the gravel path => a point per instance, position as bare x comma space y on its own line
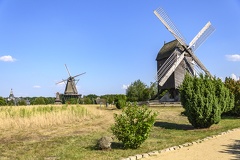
222, 147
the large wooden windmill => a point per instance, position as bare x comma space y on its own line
70, 89
176, 58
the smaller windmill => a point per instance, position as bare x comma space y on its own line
70, 89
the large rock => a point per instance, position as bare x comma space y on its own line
105, 142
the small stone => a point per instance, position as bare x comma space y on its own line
145, 155
185, 145
194, 143
180, 146
162, 151
171, 148
176, 147
132, 158
153, 153
199, 141
167, 149
139, 156
105, 142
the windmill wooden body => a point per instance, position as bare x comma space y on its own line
176, 58
70, 89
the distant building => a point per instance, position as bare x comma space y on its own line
12, 98
28, 102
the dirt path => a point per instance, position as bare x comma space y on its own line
223, 147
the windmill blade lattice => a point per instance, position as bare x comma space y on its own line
168, 68
201, 36
68, 71
164, 18
79, 75
64, 80
199, 63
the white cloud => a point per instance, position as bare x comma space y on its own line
124, 86
36, 86
233, 76
233, 57
7, 58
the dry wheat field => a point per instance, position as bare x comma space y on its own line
50, 121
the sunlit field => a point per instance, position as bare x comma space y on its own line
25, 117
72, 131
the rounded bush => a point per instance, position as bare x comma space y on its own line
204, 100
120, 101
133, 126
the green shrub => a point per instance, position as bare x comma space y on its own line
71, 101
234, 87
204, 100
86, 100
133, 126
2, 102
11, 103
120, 101
225, 97
39, 101
22, 102
235, 111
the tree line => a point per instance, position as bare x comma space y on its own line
27, 101
137, 91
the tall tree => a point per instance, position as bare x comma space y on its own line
39, 101
153, 89
2, 102
137, 91
234, 87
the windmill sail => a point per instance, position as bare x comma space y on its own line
79, 75
201, 36
163, 17
199, 63
68, 71
168, 68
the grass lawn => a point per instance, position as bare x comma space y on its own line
72, 133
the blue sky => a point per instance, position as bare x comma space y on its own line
114, 42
